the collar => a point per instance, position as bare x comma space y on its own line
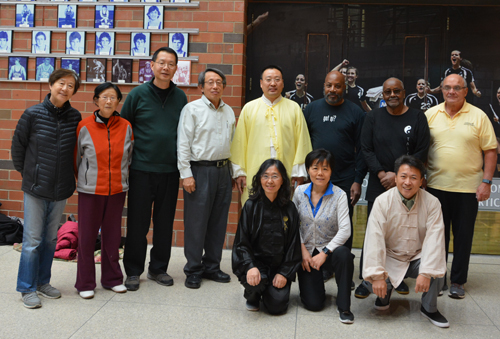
465, 108
269, 103
408, 202
329, 190
98, 120
209, 103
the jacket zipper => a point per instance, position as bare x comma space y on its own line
86, 172
58, 155
109, 161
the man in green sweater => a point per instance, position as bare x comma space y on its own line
153, 109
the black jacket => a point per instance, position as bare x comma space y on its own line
267, 238
42, 150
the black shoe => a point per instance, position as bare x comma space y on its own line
193, 281
218, 276
327, 275
161, 278
346, 317
132, 283
436, 318
361, 292
403, 288
253, 307
379, 305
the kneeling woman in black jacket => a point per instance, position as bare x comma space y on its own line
266, 249
42, 151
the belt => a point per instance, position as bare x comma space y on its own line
217, 163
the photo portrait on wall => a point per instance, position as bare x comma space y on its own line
104, 43
72, 64
44, 68
17, 68
96, 70
5, 41
153, 17
66, 16
183, 74
59, 0
145, 71
150, 1
75, 42
40, 42
179, 43
140, 44
88, 0
121, 72
105, 16
25, 15
180, 1
118, 0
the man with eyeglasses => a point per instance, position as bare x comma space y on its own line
388, 133
153, 109
204, 135
270, 127
460, 133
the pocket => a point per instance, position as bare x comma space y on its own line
35, 177
86, 171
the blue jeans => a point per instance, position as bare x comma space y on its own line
41, 221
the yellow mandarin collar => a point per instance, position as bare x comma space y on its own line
269, 103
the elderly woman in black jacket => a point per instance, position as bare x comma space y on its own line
266, 249
42, 151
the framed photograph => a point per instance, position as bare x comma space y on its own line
75, 42
44, 68
17, 68
88, 0
96, 70
180, 1
140, 44
6, 41
183, 74
153, 17
179, 43
150, 1
59, 0
145, 71
66, 16
40, 42
104, 43
72, 64
121, 72
25, 15
118, 0
105, 16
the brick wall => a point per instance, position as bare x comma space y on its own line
220, 43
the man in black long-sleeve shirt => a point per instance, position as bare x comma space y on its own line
388, 133
335, 124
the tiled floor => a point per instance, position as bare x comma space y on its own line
218, 310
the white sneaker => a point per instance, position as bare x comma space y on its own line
87, 294
119, 288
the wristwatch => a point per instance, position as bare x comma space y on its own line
326, 250
486, 181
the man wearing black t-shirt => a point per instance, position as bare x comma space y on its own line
299, 94
421, 100
388, 133
355, 93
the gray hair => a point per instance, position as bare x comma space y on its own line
201, 77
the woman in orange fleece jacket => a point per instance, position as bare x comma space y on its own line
102, 158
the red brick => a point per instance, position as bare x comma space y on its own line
179, 238
234, 17
5, 144
232, 59
4, 174
208, 16
178, 16
12, 205
4, 195
5, 133
238, 70
15, 195
231, 228
202, 26
215, 48
239, 6
15, 175
210, 58
220, 27
220, 6
178, 225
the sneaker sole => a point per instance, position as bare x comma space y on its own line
47, 296
442, 325
359, 296
456, 296
32, 306
403, 292
382, 308
170, 283
345, 321
252, 309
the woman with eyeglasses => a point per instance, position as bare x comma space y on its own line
102, 158
266, 249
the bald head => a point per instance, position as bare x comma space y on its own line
394, 94
334, 88
454, 89
393, 80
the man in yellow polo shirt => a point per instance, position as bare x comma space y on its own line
460, 133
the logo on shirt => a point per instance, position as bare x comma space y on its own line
327, 118
407, 129
469, 124
285, 220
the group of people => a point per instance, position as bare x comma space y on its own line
159, 138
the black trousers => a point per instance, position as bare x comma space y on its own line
147, 190
459, 215
312, 287
205, 218
275, 299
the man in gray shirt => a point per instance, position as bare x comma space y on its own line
205, 132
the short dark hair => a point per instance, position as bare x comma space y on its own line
75, 35
354, 68
271, 67
178, 36
201, 77
4, 35
40, 34
62, 73
104, 86
104, 35
139, 36
411, 161
165, 49
152, 9
320, 155
256, 192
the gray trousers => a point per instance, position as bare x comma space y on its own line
205, 218
429, 299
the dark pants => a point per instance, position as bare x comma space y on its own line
312, 287
459, 212
275, 299
346, 187
205, 218
370, 206
148, 189
94, 212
